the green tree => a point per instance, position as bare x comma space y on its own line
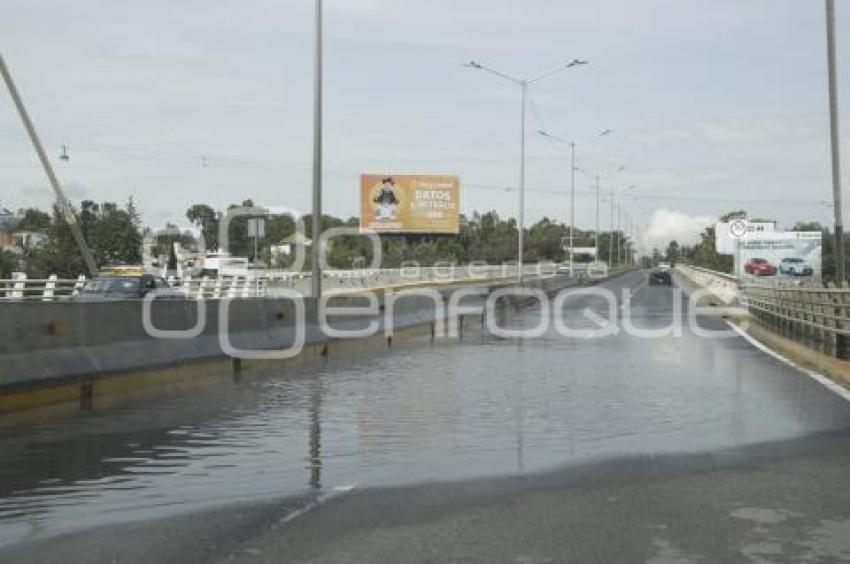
206, 219
114, 237
673, 252
656, 256
58, 254
109, 233
8, 263
33, 219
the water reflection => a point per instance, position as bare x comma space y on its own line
316, 435
454, 409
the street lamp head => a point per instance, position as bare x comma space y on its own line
473, 65
576, 62
544, 133
606, 132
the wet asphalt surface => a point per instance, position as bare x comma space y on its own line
625, 448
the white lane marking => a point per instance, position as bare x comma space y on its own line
826, 382
319, 500
641, 285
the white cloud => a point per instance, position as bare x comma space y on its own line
667, 225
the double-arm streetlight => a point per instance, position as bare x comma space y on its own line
573, 169
523, 83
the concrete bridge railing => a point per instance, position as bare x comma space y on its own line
262, 285
52, 343
724, 287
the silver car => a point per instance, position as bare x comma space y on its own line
795, 266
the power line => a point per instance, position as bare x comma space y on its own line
591, 192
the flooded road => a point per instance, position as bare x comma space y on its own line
418, 412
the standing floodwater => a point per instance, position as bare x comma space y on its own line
417, 412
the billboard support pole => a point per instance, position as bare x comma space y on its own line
316, 251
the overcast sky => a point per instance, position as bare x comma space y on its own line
716, 105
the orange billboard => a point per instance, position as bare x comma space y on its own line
409, 203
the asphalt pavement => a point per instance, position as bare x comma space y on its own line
654, 444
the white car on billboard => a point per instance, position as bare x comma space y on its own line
795, 266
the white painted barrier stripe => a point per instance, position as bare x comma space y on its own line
820, 378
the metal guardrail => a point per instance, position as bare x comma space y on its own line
815, 314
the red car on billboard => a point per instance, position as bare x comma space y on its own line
759, 267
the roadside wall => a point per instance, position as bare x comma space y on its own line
44, 343
723, 287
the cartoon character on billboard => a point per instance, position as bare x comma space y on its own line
385, 203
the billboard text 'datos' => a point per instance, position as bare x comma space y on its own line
409, 203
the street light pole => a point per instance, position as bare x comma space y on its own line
622, 235
619, 236
835, 143
521, 249
572, 201
523, 84
316, 251
597, 219
573, 169
611, 235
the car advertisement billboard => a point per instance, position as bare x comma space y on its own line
406, 203
727, 234
780, 255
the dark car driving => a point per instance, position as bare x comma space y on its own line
109, 288
660, 275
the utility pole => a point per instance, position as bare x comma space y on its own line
67, 211
841, 341
835, 143
316, 251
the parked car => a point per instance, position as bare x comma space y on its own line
126, 287
759, 267
795, 266
660, 275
